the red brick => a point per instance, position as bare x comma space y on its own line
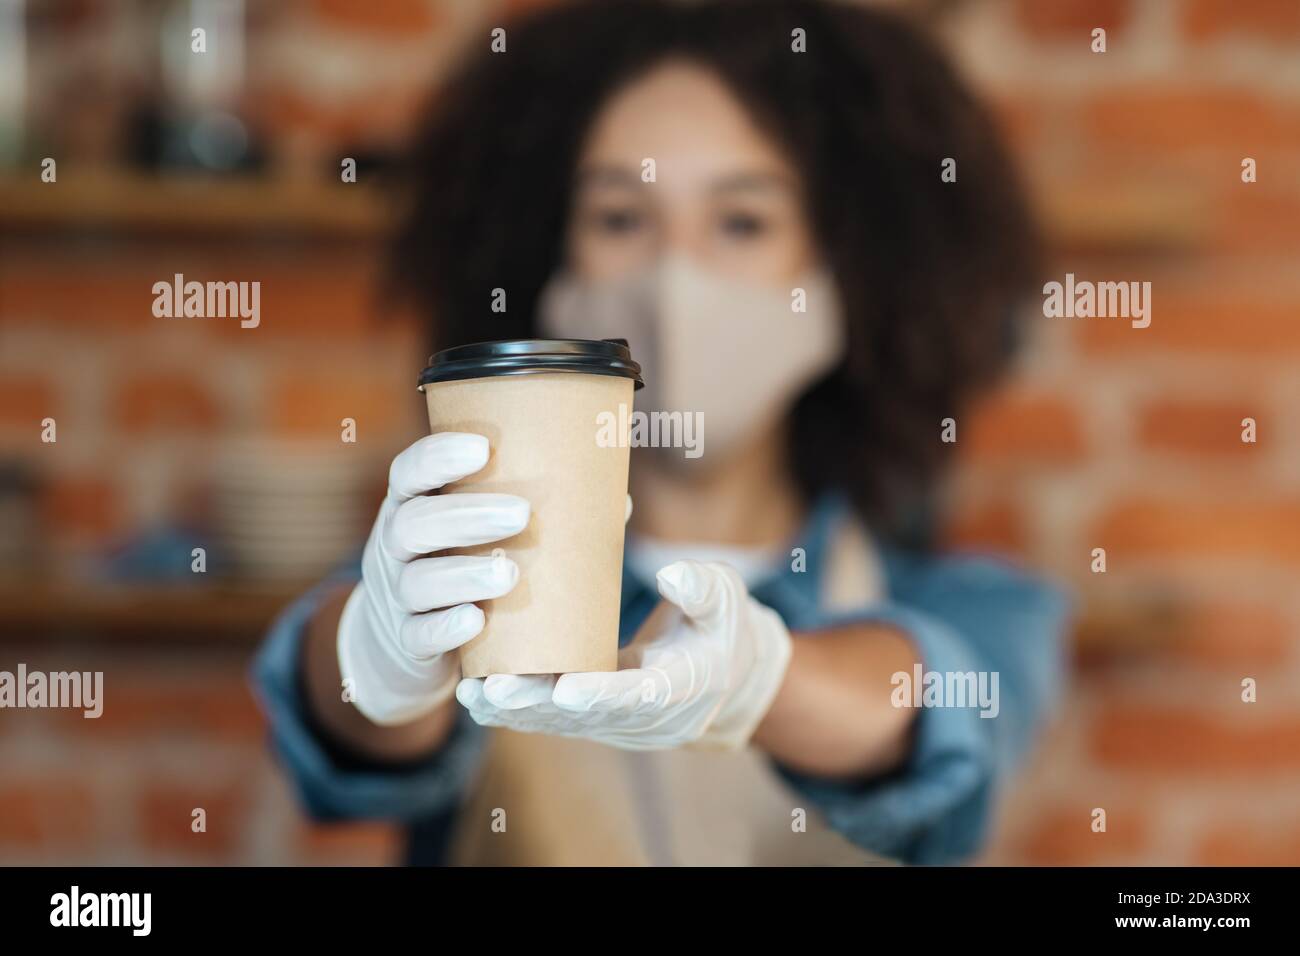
995, 527
391, 19
165, 401
1179, 118
312, 404
1201, 428
218, 707
1268, 20
1191, 740
1226, 526
58, 811
354, 844
1234, 636
1023, 426
165, 818
1235, 845
332, 301
1260, 215
25, 401
87, 297
1064, 837
1061, 19
81, 506
1206, 321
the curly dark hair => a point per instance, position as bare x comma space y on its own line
929, 271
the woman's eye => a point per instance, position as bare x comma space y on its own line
742, 225
616, 221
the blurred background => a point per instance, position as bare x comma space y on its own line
176, 434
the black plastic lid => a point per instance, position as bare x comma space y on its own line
525, 356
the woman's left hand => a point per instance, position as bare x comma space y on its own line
703, 670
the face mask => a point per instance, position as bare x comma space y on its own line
736, 353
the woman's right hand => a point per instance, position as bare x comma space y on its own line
410, 611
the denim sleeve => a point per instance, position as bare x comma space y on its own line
330, 785
963, 615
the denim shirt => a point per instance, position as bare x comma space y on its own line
962, 613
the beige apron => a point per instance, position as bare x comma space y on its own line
554, 801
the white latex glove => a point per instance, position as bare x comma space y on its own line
409, 611
703, 671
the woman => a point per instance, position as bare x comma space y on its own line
680, 175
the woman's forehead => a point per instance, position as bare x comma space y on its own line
685, 118
740, 180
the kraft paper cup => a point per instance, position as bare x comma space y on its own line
540, 404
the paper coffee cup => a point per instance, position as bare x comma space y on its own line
541, 404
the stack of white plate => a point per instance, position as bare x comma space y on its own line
291, 510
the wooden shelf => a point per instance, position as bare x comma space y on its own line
230, 613
190, 205
1087, 217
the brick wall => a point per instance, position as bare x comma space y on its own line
179, 732
1130, 439
1108, 436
